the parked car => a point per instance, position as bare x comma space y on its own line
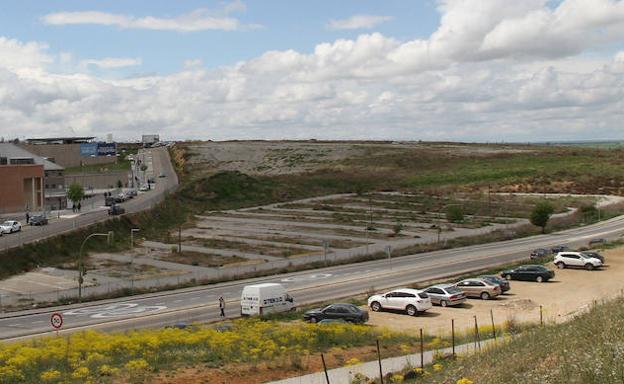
539, 253
144, 188
529, 272
576, 259
558, 248
347, 312
595, 255
38, 220
412, 301
131, 193
502, 283
162, 174
10, 226
480, 288
597, 242
109, 201
445, 295
115, 210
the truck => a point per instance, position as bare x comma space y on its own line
262, 299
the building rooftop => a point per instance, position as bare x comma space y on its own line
60, 140
12, 151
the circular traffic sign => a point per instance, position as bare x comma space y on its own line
56, 320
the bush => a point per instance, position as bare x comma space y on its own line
455, 214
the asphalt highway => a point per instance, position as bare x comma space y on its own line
201, 303
159, 162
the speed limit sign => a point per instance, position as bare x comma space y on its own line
56, 320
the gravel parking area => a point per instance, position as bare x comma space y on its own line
571, 291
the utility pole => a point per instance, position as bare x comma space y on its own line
180, 239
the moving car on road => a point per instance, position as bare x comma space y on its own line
480, 288
10, 226
529, 272
115, 210
577, 259
412, 301
445, 295
502, 283
558, 248
346, 312
539, 253
597, 242
38, 220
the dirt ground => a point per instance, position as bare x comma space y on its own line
572, 291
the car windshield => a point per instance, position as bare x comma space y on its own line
589, 254
7, 223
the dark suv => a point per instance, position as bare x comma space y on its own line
115, 210
346, 312
537, 273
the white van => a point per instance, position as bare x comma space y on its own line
262, 299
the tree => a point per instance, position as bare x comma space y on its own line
75, 193
541, 214
119, 184
454, 213
398, 227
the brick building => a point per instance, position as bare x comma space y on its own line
29, 182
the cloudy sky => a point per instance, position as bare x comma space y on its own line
465, 70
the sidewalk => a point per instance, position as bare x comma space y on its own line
371, 369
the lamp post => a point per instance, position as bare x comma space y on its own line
80, 264
132, 230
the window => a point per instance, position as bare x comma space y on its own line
436, 291
478, 284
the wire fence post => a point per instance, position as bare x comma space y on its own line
379, 359
325, 368
541, 309
422, 350
453, 336
477, 340
493, 325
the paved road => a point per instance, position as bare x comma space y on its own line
200, 304
160, 163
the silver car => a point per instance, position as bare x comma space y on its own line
445, 295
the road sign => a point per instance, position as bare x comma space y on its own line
56, 320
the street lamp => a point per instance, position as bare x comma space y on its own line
81, 271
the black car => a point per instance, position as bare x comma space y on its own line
597, 242
539, 253
109, 201
502, 283
594, 255
38, 220
558, 248
537, 273
115, 210
346, 312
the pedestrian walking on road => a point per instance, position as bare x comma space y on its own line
27, 217
79, 206
222, 306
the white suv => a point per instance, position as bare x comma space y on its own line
412, 301
10, 226
576, 259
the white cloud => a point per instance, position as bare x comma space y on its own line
474, 78
358, 22
110, 62
197, 20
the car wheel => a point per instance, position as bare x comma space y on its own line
411, 310
507, 277
485, 296
313, 320
560, 265
444, 303
589, 267
375, 306
539, 279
